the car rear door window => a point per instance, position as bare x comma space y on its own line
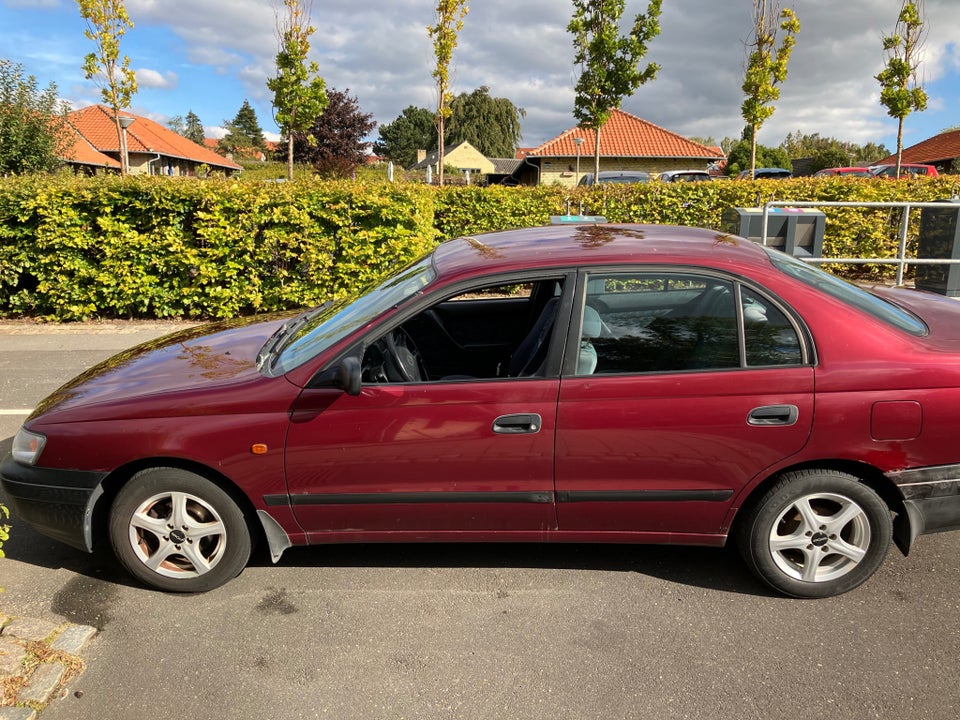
675, 321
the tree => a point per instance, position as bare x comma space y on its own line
34, 136
299, 93
746, 151
334, 145
608, 61
708, 141
449, 23
821, 149
177, 124
766, 66
829, 157
491, 125
243, 132
414, 129
190, 127
899, 91
194, 128
106, 23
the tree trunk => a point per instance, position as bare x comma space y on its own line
122, 137
596, 158
290, 157
440, 130
753, 152
899, 148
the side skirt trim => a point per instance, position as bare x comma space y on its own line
566, 496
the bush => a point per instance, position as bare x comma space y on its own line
4, 528
76, 248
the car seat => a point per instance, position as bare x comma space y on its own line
592, 325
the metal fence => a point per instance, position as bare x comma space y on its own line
901, 260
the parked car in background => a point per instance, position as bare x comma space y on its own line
906, 170
766, 174
615, 176
587, 383
684, 176
845, 172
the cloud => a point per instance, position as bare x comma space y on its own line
522, 51
147, 78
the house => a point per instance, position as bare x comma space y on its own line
152, 149
462, 156
85, 158
627, 142
942, 151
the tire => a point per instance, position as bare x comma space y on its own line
176, 531
815, 534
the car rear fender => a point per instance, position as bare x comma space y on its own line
905, 525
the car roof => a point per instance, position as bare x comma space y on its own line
674, 173
561, 246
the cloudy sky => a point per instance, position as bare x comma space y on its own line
209, 55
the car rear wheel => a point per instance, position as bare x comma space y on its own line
816, 533
176, 531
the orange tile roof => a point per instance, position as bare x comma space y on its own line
626, 135
82, 152
940, 148
95, 124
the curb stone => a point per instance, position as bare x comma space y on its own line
40, 658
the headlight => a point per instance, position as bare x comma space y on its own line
27, 446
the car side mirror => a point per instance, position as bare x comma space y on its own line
349, 376
346, 376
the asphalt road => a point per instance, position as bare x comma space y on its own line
473, 632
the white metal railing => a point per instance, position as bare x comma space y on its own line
901, 260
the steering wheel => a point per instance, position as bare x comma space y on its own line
402, 361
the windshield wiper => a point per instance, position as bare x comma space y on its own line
267, 352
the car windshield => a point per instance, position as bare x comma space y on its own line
344, 317
848, 293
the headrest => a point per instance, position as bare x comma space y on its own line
591, 322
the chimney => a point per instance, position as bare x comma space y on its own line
421, 155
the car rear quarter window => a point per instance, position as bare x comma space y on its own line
848, 293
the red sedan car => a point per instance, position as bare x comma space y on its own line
591, 383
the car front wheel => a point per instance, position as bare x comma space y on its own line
816, 533
177, 531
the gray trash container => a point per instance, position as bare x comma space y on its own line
796, 231
939, 240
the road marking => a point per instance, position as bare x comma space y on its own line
15, 412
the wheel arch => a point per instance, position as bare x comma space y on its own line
119, 477
869, 475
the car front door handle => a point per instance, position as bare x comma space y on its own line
773, 415
518, 424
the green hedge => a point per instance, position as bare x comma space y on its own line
76, 248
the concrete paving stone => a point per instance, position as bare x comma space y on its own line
30, 628
74, 638
17, 713
43, 682
11, 657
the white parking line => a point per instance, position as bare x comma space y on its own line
15, 412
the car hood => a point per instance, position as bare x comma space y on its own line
203, 359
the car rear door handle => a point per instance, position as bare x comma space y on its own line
773, 415
517, 424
